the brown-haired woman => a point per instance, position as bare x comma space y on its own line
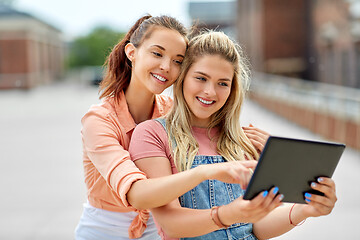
140, 67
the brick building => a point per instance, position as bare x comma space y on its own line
305, 39
314, 40
31, 50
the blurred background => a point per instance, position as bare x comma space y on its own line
305, 58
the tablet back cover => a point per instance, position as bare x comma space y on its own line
291, 165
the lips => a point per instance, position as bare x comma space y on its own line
158, 77
206, 102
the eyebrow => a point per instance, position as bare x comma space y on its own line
162, 48
206, 75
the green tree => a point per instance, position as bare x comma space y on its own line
7, 2
92, 49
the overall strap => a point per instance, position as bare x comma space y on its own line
163, 123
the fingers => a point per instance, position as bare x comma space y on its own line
326, 181
256, 141
322, 204
253, 129
257, 208
268, 199
326, 186
263, 204
231, 172
249, 164
243, 172
272, 198
257, 136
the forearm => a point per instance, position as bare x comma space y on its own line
179, 222
277, 222
156, 192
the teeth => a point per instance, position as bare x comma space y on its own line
204, 101
159, 77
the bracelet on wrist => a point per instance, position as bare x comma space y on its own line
291, 222
215, 217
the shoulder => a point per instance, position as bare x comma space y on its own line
104, 108
149, 126
149, 139
150, 132
101, 115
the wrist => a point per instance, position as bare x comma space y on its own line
225, 215
296, 215
216, 218
201, 173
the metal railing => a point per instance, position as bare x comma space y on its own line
342, 102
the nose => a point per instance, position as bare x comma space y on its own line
165, 65
210, 89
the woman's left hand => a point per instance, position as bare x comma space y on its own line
257, 137
318, 205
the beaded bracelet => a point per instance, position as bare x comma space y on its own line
215, 217
296, 225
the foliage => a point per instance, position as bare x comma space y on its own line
92, 49
7, 2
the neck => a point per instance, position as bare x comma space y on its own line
140, 103
200, 123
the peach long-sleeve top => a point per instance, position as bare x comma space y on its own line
109, 171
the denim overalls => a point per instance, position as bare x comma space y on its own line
212, 193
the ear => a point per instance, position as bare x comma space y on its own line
130, 51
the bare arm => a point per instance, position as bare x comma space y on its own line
177, 221
159, 169
278, 223
163, 186
148, 149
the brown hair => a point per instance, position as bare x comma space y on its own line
118, 66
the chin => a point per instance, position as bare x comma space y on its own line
158, 91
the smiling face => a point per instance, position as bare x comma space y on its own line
206, 87
156, 62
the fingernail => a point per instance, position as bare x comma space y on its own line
281, 197
313, 184
276, 189
265, 193
307, 195
307, 200
320, 179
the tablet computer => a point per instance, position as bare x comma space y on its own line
291, 165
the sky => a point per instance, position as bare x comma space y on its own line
78, 17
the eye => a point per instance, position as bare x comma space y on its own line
156, 54
178, 62
201, 78
224, 84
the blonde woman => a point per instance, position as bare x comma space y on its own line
203, 128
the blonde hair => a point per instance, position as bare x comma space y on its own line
232, 142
